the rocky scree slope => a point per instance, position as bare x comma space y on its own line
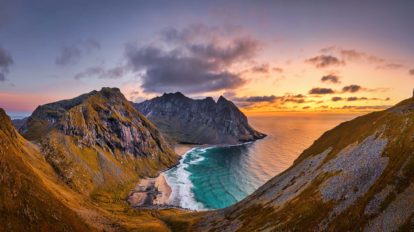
186, 120
98, 140
358, 176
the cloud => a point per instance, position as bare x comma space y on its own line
351, 88
267, 100
366, 108
390, 66
331, 78
411, 72
102, 73
277, 69
195, 62
321, 91
270, 98
6, 60
351, 99
264, 68
71, 54
324, 61
352, 55
2, 77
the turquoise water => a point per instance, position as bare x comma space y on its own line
217, 177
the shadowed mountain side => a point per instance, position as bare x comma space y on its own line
358, 176
98, 140
186, 120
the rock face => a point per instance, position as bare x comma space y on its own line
26, 201
98, 139
186, 120
358, 176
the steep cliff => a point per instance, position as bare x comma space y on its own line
358, 176
98, 139
186, 120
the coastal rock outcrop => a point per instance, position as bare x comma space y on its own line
205, 121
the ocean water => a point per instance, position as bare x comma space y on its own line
217, 177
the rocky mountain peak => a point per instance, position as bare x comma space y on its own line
201, 121
103, 118
222, 100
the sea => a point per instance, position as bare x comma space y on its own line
218, 176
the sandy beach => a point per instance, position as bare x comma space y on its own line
181, 149
154, 191
150, 191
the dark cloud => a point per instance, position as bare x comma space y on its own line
331, 78
351, 99
321, 91
323, 61
73, 53
411, 72
357, 99
335, 99
270, 98
299, 99
100, 72
6, 60
193, 65
351, 88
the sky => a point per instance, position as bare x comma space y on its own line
296, 55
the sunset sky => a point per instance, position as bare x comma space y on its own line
297, 55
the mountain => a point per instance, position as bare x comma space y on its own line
33, 196
98, 140
205, 121
358, 176
27, 202
17, 123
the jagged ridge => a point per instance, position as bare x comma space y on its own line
199, 121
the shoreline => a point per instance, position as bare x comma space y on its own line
155, 192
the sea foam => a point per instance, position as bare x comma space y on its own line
179, 180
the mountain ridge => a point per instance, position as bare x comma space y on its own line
198, 121
98, 139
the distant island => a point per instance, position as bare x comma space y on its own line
204, 121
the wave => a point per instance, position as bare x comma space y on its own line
179, 180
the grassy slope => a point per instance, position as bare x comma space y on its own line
26, 201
